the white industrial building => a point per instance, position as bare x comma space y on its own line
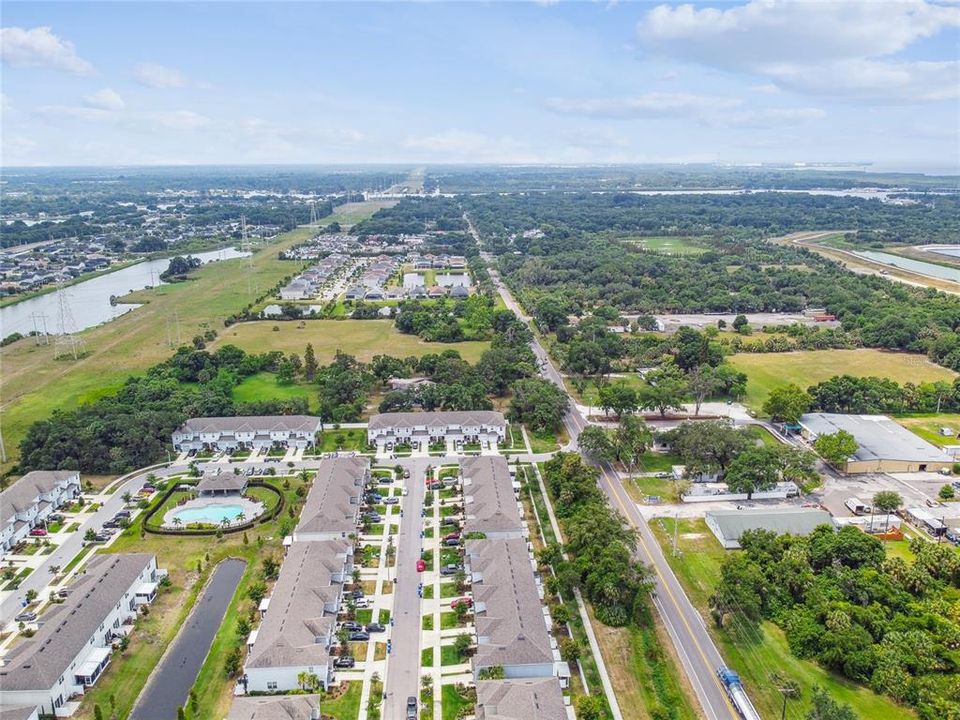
729, 525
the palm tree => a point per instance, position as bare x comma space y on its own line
241, 516
177, 521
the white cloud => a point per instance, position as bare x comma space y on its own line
823, 48
105, 99
651, 105
180, 120
39, 47
159, 76
468, 146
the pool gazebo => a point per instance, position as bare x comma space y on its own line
222, 484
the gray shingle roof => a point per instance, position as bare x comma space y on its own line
38, 662
491, 505
879, 437
22, 494
252, 423
535, 699
222, 482
24, 712
296, 619
328, 507
508, 612
293, 707
437, 419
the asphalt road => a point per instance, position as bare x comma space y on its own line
697, 652
65, 552
170, 683
403, 667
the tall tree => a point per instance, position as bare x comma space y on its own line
619, 398
886, 501
754, 470
596, 442
836, 447
824, 707
310, 365
787, 403
632, 440
665, 389
702, 382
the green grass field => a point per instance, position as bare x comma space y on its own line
757, 654
809, 367
351, 213
928, 427
360, 338
263, 386
670, 245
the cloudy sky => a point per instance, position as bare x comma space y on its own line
761, 81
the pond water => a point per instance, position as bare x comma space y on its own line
89, 301
925, 268
949, 251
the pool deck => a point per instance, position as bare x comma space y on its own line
250, 508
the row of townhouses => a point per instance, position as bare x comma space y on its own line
491, 506
307, 284
299, 619
251, 432
74, 642
435, 427
29, 501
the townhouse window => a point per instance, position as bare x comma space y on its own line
271, 686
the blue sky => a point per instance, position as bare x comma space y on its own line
170, 83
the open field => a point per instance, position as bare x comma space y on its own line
757, 654
808, 367
361, 338
351, 213
263, 386
33, 383
928, 427
668, 245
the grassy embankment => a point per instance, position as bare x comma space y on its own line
758, 654
767, 371
33, 383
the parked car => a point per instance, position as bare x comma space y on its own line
111, 524
108, 531
38, 532
421, 565
468, 601
391, 501
359, 636
357, 594
361, 603
375, 628
452, 536
26, 617
374, 498
452, 541
57, 517
411, 708
435, 485
406, 474
450, 569
344, 661
372, 517
406, 491
123, 514
385, 479
351, 625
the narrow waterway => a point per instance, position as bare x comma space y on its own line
924, 268
88, 302
169, 686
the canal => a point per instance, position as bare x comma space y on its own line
169, 686
89, 300
918, 266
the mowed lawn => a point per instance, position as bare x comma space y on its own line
670, 245
755, 654
33, 384
928, 427
361, 338
351, 213
264, 386
766, 371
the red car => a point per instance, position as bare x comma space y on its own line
38, 532
452, 536
468, 601
421, 566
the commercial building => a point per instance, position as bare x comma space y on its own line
29, 501
926, 520
539, 699
73, 645
299, 622
729, 525
490, 500
884, 446
254, 432
512, 623
332, 508
472, 426
291, 707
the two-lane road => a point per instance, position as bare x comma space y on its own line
697, 652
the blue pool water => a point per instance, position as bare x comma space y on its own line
210, 514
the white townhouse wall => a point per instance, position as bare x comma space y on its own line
31, 499
491, 506
332, 507
299, 623
247, 432
73, 645
512, 623
466, 426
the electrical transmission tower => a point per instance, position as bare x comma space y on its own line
313, 213
67, 340
40, 335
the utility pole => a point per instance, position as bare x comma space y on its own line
788, 690
676, 525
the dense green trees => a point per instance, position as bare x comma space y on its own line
539, 404
871, 395
787, 403
836, 447
889, 623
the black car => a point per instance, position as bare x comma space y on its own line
359, 635
411, 708
351, 625
344, 661
375, 628
372, 517
357, 594
111, 524
122, 514
451, 542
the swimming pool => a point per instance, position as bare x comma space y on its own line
214, 513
